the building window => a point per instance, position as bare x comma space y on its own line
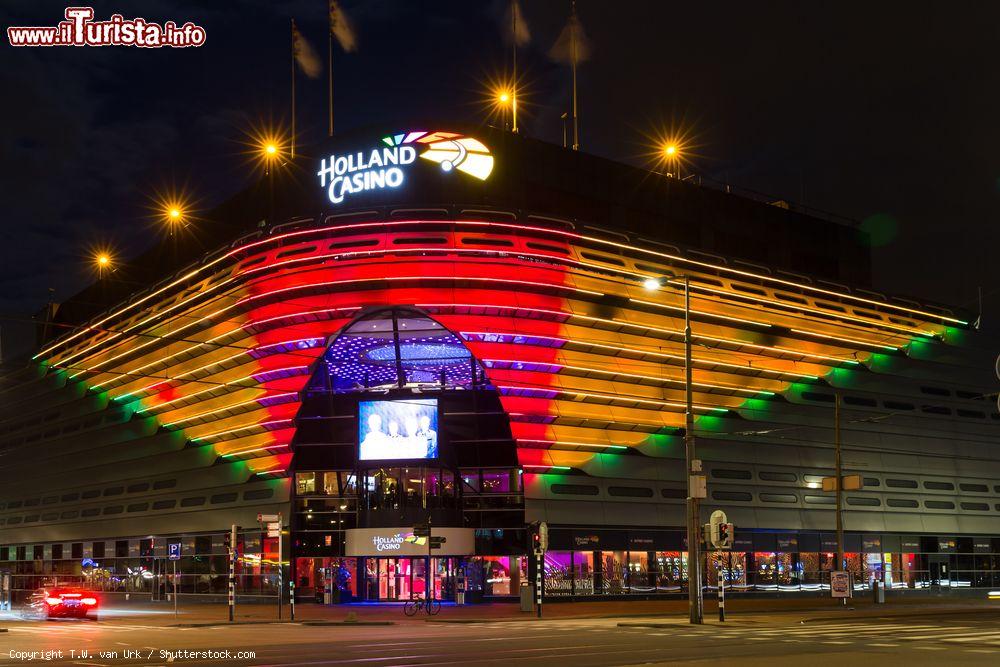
575, 489
939, 486
974, 488
57, 552
114, 509
258, 494
138, 507
939, 505
872, 481
901, 502
861, 401
820, 500
92, 493
771, 476
121, 549
778, 498
723, 473
864, 501
305, 483
76, 550
194, 501
114, 491
740, 496
673, 493
164, 484
976, 507
901, 483
220, 498
138, 488
630, 491
90, 511
164, 504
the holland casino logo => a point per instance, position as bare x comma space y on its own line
384, 167
392, 543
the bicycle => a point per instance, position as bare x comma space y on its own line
414, 605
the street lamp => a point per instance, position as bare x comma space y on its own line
691, 464
504, 100
671, 153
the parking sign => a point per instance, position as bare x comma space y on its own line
174, 550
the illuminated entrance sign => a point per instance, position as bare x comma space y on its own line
385, 166
387, 543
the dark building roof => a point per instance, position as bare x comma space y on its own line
528, 176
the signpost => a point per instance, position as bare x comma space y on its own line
232, 573
720, 534
840, 585
540, 541
174, 554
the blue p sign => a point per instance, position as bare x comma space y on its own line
174, 550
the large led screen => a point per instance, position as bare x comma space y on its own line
401, 429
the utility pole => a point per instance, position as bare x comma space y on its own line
840, 482
693, 467
232, 573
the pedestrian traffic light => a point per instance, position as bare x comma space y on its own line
726, 536
539, 536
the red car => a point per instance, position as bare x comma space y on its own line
63, 602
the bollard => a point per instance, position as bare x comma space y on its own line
722, 600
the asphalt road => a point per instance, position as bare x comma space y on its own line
764, 640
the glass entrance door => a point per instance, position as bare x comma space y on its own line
401, 579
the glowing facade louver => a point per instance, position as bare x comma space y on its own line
234, 353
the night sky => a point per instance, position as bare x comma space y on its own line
887, 113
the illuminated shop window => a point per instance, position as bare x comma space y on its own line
397, 348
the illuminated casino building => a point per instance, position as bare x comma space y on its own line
459, 325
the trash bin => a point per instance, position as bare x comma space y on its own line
878, 592
460, 598
527, 597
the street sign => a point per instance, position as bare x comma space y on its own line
274, 529
697, 486
840, 584
543, 535
267, 518
436, 541
421, 530
174, 550
851, 483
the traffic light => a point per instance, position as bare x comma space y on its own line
726, 536
539, 536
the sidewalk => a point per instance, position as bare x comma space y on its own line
806, 610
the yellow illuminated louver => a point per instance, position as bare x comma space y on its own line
463, 153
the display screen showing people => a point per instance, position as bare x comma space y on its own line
401, 429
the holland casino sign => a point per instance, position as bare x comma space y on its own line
385, 166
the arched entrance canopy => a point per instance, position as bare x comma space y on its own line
396, 348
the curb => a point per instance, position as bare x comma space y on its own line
326, 623
225, 623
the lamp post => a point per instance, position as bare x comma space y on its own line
692, 465
270, 155
671, 155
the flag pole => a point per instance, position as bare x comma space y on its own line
513, 41
292, 152
329, 67
572, 39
